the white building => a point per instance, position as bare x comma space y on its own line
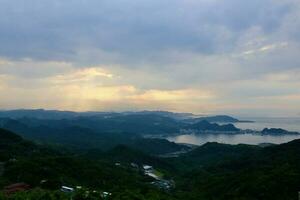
147, 167
66, 189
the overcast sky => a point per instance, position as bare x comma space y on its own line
202, 56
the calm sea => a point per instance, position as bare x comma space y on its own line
290, 124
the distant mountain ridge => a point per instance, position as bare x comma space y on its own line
45, 114
218, 119
57, 114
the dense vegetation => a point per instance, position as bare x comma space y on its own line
43, 168
212, 171
84, 134
242, 172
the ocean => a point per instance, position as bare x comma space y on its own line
290, 124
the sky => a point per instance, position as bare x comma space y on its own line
200, 56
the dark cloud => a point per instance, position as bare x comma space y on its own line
135, 30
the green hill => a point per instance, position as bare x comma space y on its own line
242, 172
210, 172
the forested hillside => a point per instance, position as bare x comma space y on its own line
212, 171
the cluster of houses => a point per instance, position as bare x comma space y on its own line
67, 189
164, 184
149, 170
21, 187
159, 181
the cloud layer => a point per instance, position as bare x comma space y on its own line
216, 56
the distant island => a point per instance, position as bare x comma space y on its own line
277, 131
205, 126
